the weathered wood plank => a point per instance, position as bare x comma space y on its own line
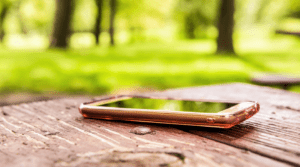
53, 133
273, 132
283, 80
287, 32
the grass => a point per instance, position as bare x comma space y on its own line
156, 66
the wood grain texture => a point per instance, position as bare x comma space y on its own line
273, 132
53, 133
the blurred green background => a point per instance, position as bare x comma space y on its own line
66, 47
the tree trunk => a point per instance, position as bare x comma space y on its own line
225, 26
111, 21
2, 16
21, 21
97, 31
61, 29
190, 26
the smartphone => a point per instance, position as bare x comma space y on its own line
219, 114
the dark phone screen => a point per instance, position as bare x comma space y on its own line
172, 105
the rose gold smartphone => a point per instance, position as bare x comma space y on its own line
219, 114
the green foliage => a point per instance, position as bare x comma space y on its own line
197, 17
37, 15
150, 20
84, 15
294, 8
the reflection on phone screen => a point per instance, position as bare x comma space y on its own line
172, 105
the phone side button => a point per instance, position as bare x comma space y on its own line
210, 120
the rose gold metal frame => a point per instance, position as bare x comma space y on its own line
223, 119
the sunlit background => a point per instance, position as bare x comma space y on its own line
158, 44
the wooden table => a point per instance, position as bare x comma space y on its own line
282, 80
53, 133
287, 32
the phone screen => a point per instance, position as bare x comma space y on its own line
172, 105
